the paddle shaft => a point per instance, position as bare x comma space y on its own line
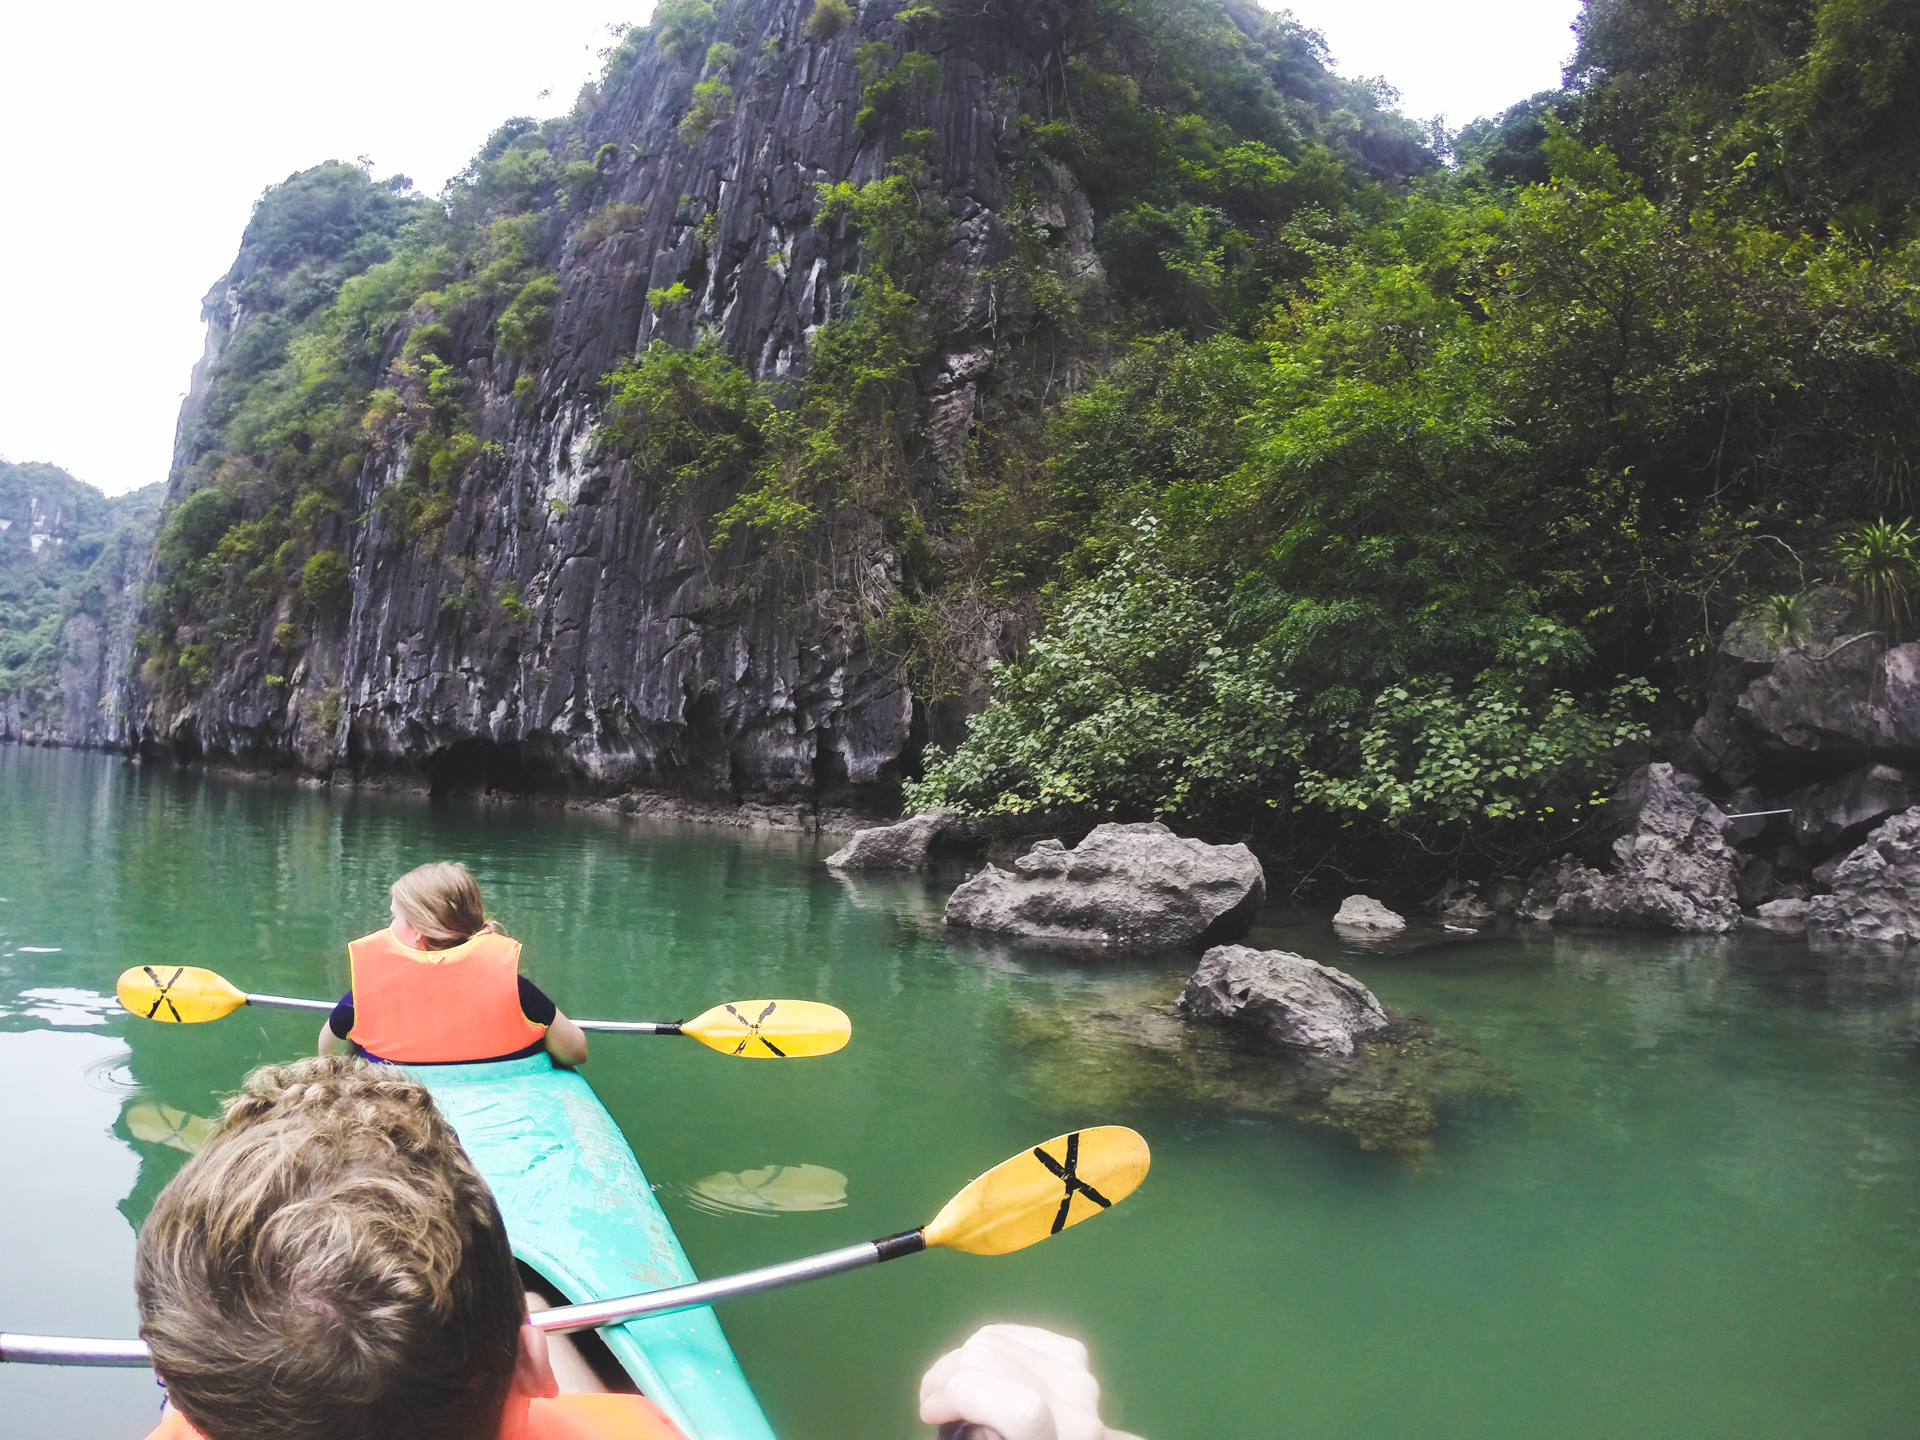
628, 1027
565, 1319
562, 1320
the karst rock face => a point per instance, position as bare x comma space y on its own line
651, 659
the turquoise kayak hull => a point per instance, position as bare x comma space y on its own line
579, 1211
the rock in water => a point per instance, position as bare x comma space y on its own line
1135, 887
1363, 912
901, 846
1789, 915
1675, 871
1876, 889
1287, 1000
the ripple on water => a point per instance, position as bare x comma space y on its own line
770, 1190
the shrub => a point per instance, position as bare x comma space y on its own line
516, 609
310, 507
712, 101
328, 586
196, 525
1879, 560
665, 297
679, 27
286, 635
196, 664
828, 19
684, 415
889, 93
528, 317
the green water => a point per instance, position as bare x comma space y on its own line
1697, 1219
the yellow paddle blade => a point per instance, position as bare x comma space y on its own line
1022, 1201
771, 1029
164, 1125
178, 994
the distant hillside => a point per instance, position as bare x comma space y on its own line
68, 558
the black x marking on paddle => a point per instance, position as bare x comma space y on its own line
165, 985
753, 1030
1068, 1173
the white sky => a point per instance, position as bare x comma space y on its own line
143, 133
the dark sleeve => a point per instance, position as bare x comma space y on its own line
535, 1005
341, 1021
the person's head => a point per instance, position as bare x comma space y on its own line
331, 1267
441, 902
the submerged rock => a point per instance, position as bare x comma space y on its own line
1675, 870
1876, 889
901, 846
1281, 999
1128, 1046
1363, 912
1137, 887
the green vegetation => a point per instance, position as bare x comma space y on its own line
712, 102
1367, 505
67, 554
327, 584
1388, 493
828, 19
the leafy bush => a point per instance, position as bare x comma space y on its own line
889, 92
666, 297
516, 609
712, 102
327, 583
1881, 561
685, 417
196, 525
196, 664
525, 322
1140, 701
679, 27
828, 19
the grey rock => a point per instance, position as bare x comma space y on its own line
1363, 912
1845, 702
901, 846
1823, 814
1753, 879
1788, 915
1286, 1001
1674, 870
1546, 887
1876, 888
1124, 886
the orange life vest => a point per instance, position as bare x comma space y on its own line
437, 1006
565, 1417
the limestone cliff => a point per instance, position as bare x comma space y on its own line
525, 606
69, 562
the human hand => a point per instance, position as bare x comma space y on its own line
1016, 1382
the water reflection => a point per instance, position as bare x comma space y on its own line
771, 1190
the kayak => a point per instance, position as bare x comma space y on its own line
580, 1213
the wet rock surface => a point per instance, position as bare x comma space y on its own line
1826, 726
1674, 872
1135, 887
900, 847
1128, 1047
1282, 1000
1363, 912
1876, 888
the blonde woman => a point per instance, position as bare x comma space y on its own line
441, 986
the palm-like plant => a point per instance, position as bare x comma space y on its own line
1879, 560
1784, 619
